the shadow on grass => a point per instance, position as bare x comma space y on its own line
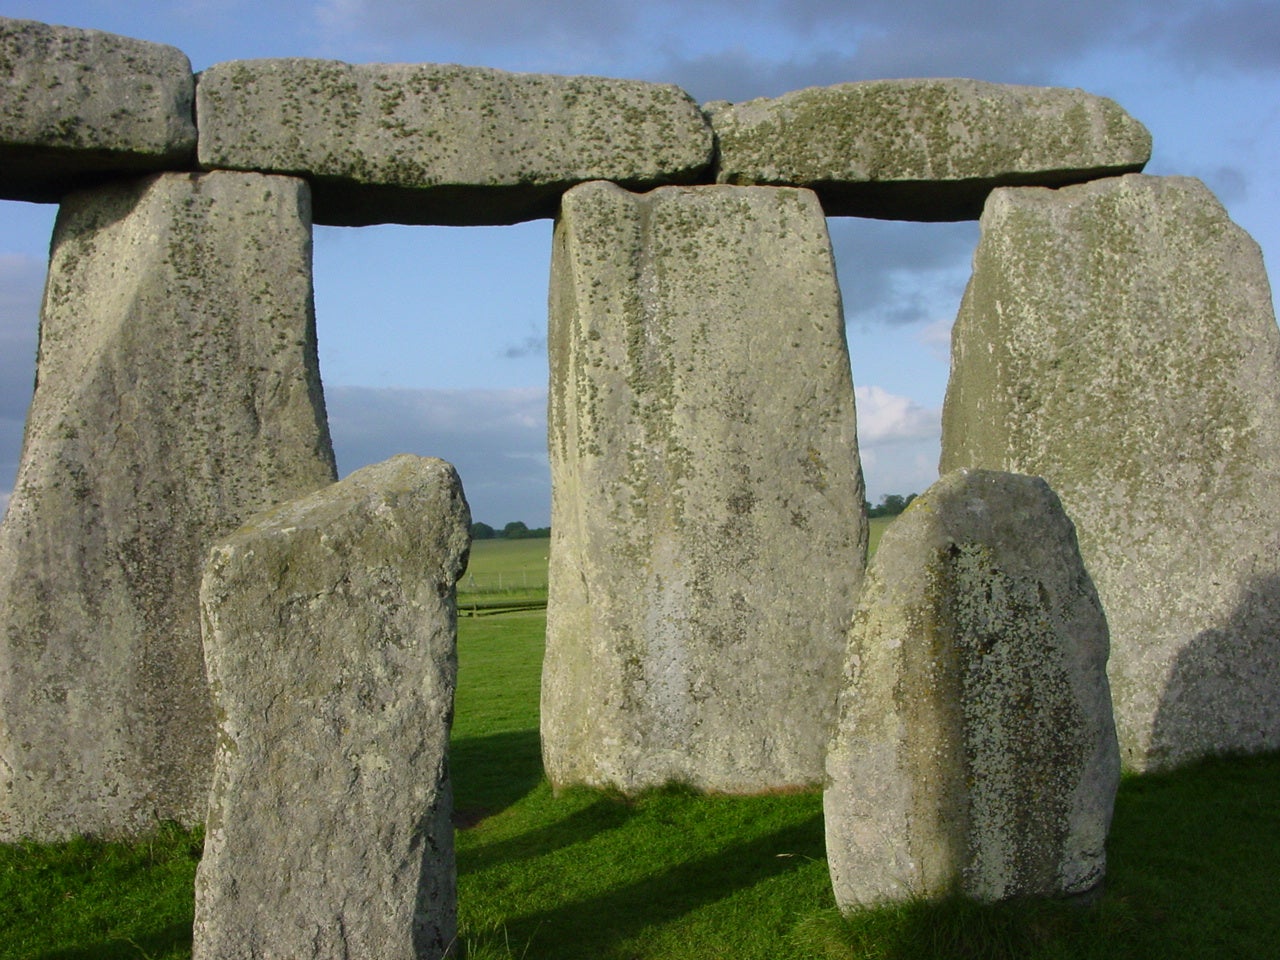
604, 813
491, 773
174, 940
1194, 857
596, 926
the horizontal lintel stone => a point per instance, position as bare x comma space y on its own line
924, 149
444, 144
83, 106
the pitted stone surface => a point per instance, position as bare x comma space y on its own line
975, 750
707, 523
80, 106
924, 149
330, 637
444, 144
178, 392
1118, 339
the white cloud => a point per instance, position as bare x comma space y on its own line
885, 418
899, 442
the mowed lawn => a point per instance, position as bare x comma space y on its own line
1194, 859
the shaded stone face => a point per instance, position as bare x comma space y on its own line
80, 106
707, 521
330, 637
177, 393
924, 149
443, 144
975, 750
1118, 339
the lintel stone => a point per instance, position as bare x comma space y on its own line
81, 106
444, 144
924, 149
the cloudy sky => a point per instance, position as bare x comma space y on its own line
432, 340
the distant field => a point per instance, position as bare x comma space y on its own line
520, 566
504, 575
877, 529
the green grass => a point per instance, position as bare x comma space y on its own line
1194, 859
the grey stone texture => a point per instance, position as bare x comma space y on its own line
330, 636
81, 106
708, 536
444, 144
924, 149
1118, 339
178, 393
976, 751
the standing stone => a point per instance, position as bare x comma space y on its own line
708, 534
177, 393
330, 636
1118, 339
82, 105
976, 750
443, 144
924, 149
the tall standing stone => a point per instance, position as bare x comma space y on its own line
1118, 339
330, 636
177, 393
707, 499
976, 751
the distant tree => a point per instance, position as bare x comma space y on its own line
891, 504
515, 530
482, 531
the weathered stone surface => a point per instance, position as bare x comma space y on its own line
444, 144
976, 750
80, 106
1118, 339
330, 638
177, 393
707, 522
924, 149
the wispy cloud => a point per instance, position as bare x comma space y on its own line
495, 438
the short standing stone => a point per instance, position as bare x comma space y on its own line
81, 105
178, 392
1118, 339
330, 631
444, 144
924, 149
707, 522
976, 751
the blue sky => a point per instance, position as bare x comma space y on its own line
432, 340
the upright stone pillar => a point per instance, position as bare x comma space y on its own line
330, 635
1118, 339
707, 499
177, 393
976, 751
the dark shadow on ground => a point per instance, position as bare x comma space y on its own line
491, 773
161, 943
604, 813
594, 927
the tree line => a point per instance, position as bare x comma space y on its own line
515, 530
891, 504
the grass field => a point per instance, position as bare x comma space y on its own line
1194, 862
